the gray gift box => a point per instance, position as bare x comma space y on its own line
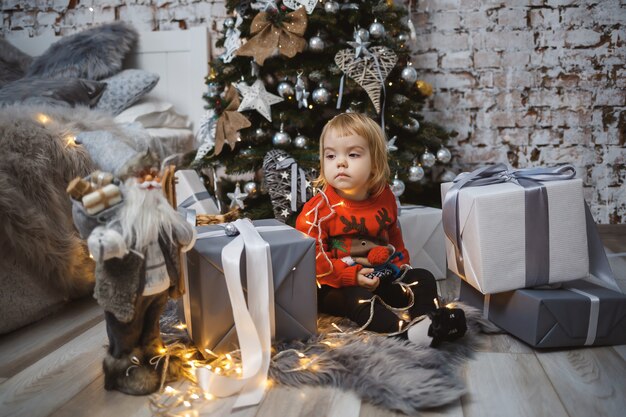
546, 318
295, 291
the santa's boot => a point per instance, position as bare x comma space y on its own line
156, 355
130, 374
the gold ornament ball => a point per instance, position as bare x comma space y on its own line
424, 88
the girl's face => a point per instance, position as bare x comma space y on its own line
347, 165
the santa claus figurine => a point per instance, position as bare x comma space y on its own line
136, 251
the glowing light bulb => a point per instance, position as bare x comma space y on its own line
42, 118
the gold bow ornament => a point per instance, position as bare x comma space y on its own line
269, 39
230, 122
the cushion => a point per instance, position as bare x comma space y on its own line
67, 92
125, 88
94, 53
153, 114
166, 141
114, 153
13, 63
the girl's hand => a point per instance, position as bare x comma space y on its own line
366, 282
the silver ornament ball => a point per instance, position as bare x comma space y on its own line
443, 155
246, 152
321, 95
331, 7
397, 187
447, 176
250, 188
300, 142
377, 30
230, 230
281, 139
229, 22
364, 34
259, 133
285, 89
316, 44
416, 173
428, 159
403, 37
409, 74
213, 90
412, 125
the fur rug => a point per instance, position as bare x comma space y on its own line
385, 371
38, 237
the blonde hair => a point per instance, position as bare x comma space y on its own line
346, 124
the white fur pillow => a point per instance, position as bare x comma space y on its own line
153, 114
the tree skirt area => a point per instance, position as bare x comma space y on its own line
385, 371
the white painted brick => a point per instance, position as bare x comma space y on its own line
554, 38
610, 97
546, 57
451, 42
544, 18
486, 59
478, 20
446, 20
438, 5
519, 40
510, 99
581, 37
425, 61
488, 137
514, 136
544, 137
512, 18
577, 136
519, 59
511, 78
477, 99
456, 60
576, 99
141, 16
455, 80
544, 97
485, 79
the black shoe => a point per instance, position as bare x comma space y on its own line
448, 324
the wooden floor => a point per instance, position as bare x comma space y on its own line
53, 367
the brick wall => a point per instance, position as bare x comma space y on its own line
528, 82
532, 82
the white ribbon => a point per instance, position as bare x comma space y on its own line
255, 323
594, 312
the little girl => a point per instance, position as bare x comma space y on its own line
354, 220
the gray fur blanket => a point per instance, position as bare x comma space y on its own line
37, 237
385, 371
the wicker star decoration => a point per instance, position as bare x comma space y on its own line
256, 97
277, 178
369, 70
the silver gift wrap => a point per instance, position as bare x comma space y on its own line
295, 291
579, 314
423, 237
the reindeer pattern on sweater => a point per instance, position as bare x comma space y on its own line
359, 234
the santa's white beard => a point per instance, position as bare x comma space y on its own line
145, 214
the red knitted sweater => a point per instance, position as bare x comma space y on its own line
350, 233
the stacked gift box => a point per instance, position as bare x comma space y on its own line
206, 307
530, 257
423, 237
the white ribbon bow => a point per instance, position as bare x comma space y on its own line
255, 323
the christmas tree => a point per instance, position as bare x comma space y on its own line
287, 68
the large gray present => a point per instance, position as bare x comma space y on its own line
579, 314
423, 237
207, 310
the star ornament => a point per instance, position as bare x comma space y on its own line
237, 197
391, 145
360, 46
256, 97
